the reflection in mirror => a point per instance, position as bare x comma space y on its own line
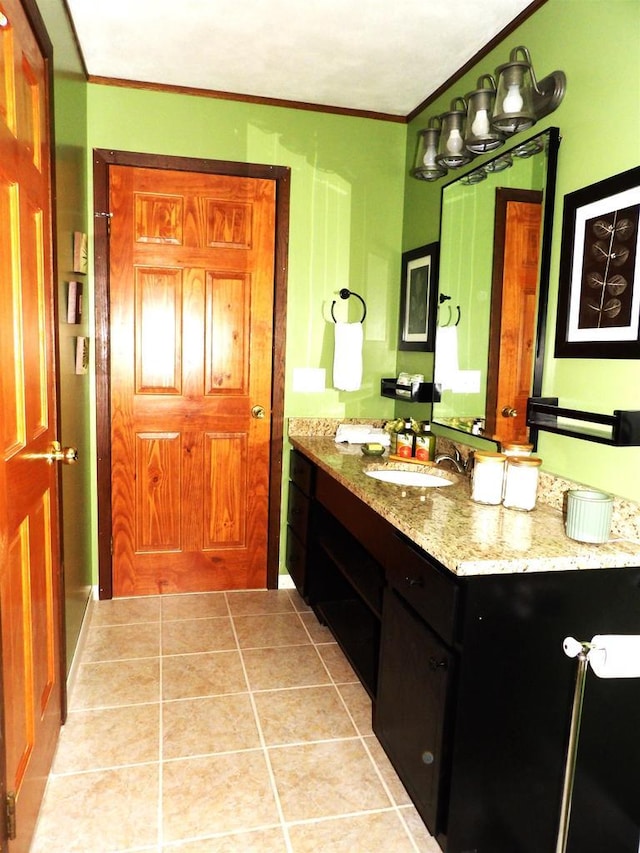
495, 235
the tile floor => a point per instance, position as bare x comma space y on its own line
220, 722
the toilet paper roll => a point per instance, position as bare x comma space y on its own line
615, 655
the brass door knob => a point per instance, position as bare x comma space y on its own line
66, 455
257, 412
509, 412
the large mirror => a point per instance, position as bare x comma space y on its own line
495, 235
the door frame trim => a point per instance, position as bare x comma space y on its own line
102, 160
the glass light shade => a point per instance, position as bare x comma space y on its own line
425, 167
452, 152
513, 109
499, 164
481, 136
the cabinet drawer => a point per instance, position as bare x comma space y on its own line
429, 589
301, 472
298, 511
370, 529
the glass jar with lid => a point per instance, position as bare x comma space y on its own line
521, 482
487, 477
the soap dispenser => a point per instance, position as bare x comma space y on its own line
405, 440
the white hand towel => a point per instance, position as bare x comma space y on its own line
347, 356
447, 368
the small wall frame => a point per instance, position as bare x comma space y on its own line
418, 288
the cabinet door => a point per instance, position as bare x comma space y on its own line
415, 670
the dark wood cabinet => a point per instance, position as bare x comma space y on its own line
472, 691
302, 475
416, 671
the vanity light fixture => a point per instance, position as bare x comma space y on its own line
452, 152
490, 113
425, 167
520, 99
481, 136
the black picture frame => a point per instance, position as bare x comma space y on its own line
418, 288
599, 287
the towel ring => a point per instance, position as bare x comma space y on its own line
444, 298
345, 293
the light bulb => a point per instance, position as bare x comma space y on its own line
429, 158
455, 142
480, 124
513, 99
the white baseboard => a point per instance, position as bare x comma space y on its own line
82, 639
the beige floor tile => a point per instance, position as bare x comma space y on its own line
122, 642
197, 635
358, 702
215, 794
318, 633
338, 666
423, 840
259, 602
107, 810
369, 833
396, 788
303, 714
298, 601
284, 666
122, 611
109, 737
104, 685
215, 724
278, 629
260, 841
202, 674
326, 779
193, 605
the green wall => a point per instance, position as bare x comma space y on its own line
595, 42
345, 218
70, 118
345, 221
353, 211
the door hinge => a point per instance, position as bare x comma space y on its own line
106, 215
111, 545
10, 805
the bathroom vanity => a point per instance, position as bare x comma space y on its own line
453, 616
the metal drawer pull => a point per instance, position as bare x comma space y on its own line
428, 757
437, 664
415, 581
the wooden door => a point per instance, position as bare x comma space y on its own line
191, 294
29, 524
513, 312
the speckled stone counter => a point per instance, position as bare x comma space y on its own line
467, 538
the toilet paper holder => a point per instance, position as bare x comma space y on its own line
583, 650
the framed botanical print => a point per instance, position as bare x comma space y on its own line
599, 290
419, 283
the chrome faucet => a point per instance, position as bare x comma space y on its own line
457, 461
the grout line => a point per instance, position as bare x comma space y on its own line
263, 745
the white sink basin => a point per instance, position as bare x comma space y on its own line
408, 478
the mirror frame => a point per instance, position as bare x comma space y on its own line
549, 191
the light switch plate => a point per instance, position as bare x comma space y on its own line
309, 379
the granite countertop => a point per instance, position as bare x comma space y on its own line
466, 537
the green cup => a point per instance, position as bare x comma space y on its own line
588, 515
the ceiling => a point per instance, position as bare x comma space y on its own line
364, 55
